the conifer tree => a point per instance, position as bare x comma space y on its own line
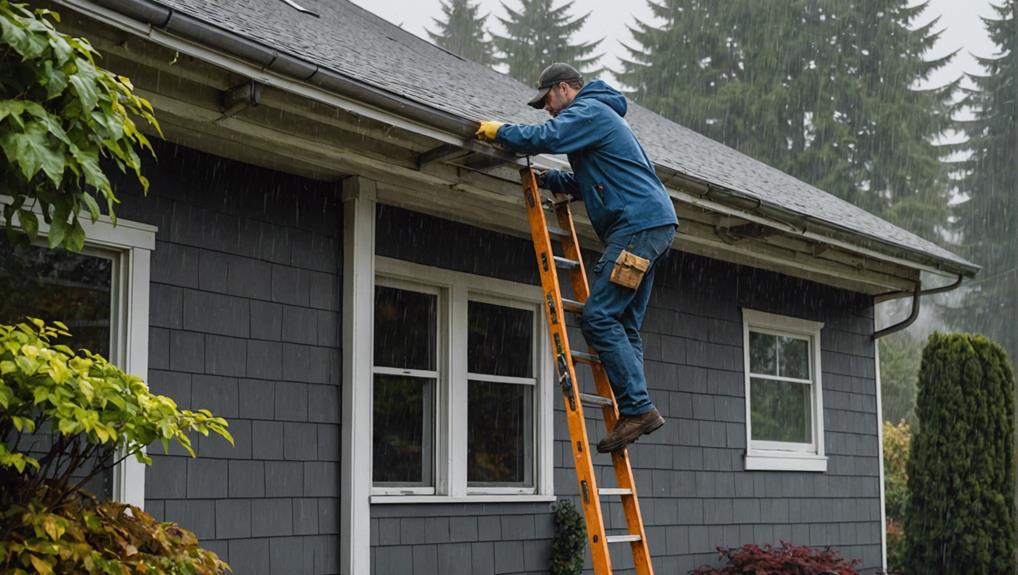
821, 90
959, 517
462, 32
987, 219
539, 34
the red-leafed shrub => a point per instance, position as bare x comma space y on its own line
785, 560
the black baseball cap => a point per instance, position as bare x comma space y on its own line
550, 77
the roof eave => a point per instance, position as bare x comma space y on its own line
143, 16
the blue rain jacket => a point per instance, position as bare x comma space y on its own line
611, 172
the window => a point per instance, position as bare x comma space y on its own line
784, 406
458, 409
500, 404
102, 295
405, 376
57, 285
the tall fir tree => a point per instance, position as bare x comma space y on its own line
986, 219
462, 32
821, 89
539, 34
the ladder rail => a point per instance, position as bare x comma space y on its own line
555, 308
555, 314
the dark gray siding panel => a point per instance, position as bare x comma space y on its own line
244, 314
694, 490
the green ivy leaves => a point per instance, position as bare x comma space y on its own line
60, 115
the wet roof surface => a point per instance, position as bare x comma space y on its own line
352, 41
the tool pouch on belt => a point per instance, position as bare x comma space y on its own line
629, 269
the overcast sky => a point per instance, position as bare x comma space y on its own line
610, 19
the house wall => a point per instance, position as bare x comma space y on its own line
244, 321
694, 492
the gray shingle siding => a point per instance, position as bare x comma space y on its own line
244, 316
226, 252
695, 493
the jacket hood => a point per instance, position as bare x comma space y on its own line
604, 93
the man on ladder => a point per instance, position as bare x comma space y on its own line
631, 214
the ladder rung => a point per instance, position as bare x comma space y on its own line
566, 264
572, 305
560, 232
622, 538
596, 400
585, 357
615, 491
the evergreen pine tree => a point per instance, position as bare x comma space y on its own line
538, 34
987, 219
821, 90
959, 516
462, 32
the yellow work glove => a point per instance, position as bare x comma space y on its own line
488, 130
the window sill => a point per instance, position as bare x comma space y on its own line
772, 461
397, 499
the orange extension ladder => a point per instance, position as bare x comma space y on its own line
575, 400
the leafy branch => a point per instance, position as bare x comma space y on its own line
61, 115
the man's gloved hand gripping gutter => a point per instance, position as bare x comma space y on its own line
631, 214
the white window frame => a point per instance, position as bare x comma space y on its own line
458, 289
775, 455
439, 374
130, 245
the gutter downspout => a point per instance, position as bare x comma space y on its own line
916, 294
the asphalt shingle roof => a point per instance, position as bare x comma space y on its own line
351, 41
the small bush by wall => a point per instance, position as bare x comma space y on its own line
785, 560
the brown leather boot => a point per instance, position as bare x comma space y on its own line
629, 429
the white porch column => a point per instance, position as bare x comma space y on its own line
358, 301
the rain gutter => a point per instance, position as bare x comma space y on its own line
204, 41
914, 314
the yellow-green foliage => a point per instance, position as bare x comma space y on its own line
88, 415
60, 115
897, 442
100, 537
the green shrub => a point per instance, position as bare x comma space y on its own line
959, 517
569, 541
60, 114
89, 415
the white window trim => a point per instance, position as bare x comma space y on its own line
450, 427
131, 244
779, 456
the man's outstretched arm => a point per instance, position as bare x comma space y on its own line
572, 130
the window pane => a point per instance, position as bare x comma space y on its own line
74, 288
59, 285
499, 431
794, 353
500, 340
780, 411
763, 354
405, 328
403, 416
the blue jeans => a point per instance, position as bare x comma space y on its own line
613, 314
